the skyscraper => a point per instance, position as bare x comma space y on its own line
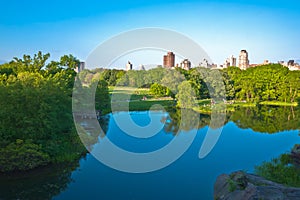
128, 66
243, 60
186, 64
80, 67
169, 60
230, 62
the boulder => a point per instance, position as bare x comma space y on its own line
295, 155
240, 185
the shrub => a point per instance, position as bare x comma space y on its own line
280, 170
159, 90
20, 156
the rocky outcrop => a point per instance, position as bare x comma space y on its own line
242, 186
295, 155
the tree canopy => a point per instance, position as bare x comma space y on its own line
36, 126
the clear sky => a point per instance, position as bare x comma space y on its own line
267, 29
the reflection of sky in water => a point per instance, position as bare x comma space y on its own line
135, 144
187, 178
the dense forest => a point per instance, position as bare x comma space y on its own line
37, 126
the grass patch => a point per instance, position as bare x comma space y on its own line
129, 93
142, 105
280, 170
205, 107
122, 96
278, 103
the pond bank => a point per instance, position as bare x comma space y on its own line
240, 185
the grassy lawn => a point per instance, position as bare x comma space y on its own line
122, 96
139, 99
129, 93
142, 105
204, 106
278, 103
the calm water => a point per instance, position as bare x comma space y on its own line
249, 137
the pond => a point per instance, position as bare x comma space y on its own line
249, 137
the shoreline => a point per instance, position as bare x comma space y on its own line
202, 107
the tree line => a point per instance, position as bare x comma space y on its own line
272, 82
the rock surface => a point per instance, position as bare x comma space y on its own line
242, 186
295, 155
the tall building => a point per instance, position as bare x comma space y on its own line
291, 63
142, 67
128, 66
169, 60
226, 63
204, 63
185, 64
266, 62
243, 60
231, 61
80, 67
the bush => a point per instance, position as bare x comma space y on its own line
159, 90
20, 156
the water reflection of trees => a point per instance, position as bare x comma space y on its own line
44, 183
186, 120
180, 120
267, 119
47, 182
90, 130
264, 119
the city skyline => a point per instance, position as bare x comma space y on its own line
168, 61
267, 29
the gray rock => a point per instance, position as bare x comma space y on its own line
242, 186
295, 155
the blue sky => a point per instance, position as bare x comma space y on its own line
267, 29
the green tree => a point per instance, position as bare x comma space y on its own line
102, 99
69, 61
159, 90
185, 96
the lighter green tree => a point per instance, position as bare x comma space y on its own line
186, 95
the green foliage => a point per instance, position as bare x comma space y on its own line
159, 90
280, 170
267, 83
267, 119
237, 181
69, 61
102, 99
171, 80
36, 107
22, 155
232, 185
262, 83
185, 96
197, 81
